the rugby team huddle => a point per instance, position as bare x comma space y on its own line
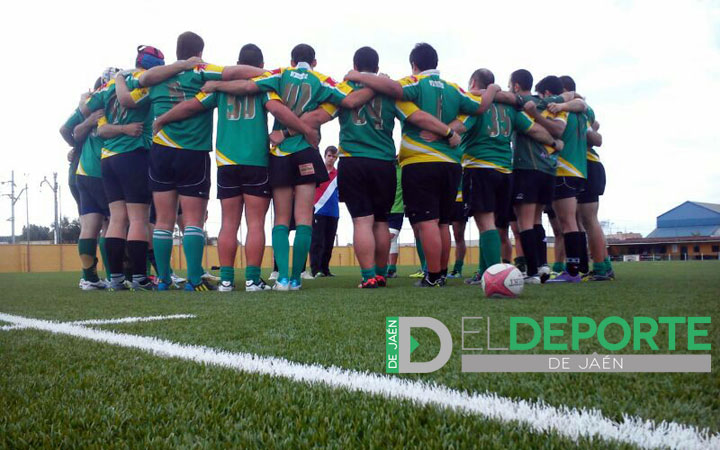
143, 137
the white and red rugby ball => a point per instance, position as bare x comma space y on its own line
502, 281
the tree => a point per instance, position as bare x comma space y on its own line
37, 233
69, 231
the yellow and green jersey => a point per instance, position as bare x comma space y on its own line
398, 206
366, 131
194, 133
302, 90
242, 130
116, 114
487, 141
440, 98
572, 160
90, 156
75, 119
592, 154
458, 195
529, 154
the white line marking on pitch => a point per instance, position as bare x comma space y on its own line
568, 422
110, 321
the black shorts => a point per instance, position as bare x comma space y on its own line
367, 186
395, 221
548, 209
429, 190
75, 193
487, 190
233, 181
92, 196
181, 170
595, 183
532, 186
568, 187
303, 167
153, 213
125, 177
460, 212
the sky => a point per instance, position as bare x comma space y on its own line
650, 70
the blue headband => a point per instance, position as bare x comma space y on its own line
149, 61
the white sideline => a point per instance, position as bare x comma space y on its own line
111, 321
568, 422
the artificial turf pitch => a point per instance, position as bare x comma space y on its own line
61, 391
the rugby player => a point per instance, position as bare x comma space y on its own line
458, 223
395, 222
431, 170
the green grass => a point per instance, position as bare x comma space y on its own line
61, 391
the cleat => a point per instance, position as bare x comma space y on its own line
329, 274
426, 283
260, 286
381, 281
283, 284
371, 283
475, 280
146, 285
319, 275
163, 286
442, 281
295, 285
566, 278
544, 272
455, 274
204, 286
391, 274
207, 276
273, 276
611, 274
305, 275
418, 274
533, 279
225, 286
117, 287
598, 277
177, 279
81, 283
93, 285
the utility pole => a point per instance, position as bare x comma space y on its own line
13, 200
54, 188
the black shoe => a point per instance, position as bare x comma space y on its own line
426, 283
329, 274
204, 286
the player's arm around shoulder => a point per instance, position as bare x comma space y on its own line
158, 74
378, 83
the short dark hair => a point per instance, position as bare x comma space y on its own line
251, 55
424, 56
523, 78
303, 53
366, 59
483, 78
550, 83
98, 83
568, 83
189, 44
331, 149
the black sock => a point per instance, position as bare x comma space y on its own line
573, 243
137, 252
433, 276
505, 261
115, 248
541, 244
584, 260
527, 239
443, 272
151, 257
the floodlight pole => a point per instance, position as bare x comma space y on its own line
55, 189
13, 200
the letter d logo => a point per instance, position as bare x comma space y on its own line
405, 343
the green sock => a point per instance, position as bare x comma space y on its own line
382, 271
558, 266
227, 273
599, 268
194, 245
88, 247
608, 264
458, 266
367, 273
162, 246
392, 268
301, 248
421, 255
481, 262
252, 273
281, 249
490, 244
103, 255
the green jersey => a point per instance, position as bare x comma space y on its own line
398, 206
530, 154
487, 141
572, 160
194, 133
440, 98
242, 131
367, 131
592, 154
75, 119
90, 156
116, 114
302, 90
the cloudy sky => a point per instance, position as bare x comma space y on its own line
651, 71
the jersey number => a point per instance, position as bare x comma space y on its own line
175, 92
236, 106
297, 97
499, 122
373, 109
